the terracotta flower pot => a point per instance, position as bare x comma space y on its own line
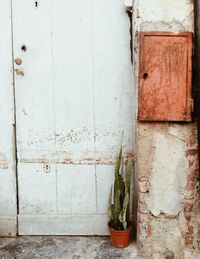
120, 238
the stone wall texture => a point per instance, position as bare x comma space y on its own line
168, 221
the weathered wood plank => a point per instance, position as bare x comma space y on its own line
73, 76
34, 88
88, 224
74, 94
8, 226
76, 189
113, 76
37, 189
8, 204
104, 179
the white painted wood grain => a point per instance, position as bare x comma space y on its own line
76, 189
113, 78
34, 90
74, 100
105, 179
77, 85
37, 189
88, 224
8, 203
128, 2
8, 226
73, 75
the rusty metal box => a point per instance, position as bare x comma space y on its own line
165, 77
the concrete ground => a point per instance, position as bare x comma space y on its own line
63, 247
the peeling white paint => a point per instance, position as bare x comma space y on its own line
166, 11
8, 204
72, 104
168, 175
161, 147
128, 3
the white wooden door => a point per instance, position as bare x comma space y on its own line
8, 201
74, 96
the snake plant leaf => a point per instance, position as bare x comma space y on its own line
123, 212
118, 162
110, 205
121, 186
122, 173
128, 173
117, 205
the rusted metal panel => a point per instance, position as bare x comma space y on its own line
165, 79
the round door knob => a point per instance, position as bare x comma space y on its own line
18, 61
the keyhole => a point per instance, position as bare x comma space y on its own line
145, 75
23, 48
46, 168
36, 4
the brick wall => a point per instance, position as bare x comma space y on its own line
189, 218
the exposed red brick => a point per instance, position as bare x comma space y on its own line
193, 174
194, 163
142, 178
190, 190
191, 141
188, 207
149, 230
191, 152
142, 198
190, 230
188, 240
145, 229
143, 186
142, 208
188, 211
143, 218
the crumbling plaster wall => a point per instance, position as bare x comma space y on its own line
167, 155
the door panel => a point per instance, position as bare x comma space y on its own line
8, 201
73, 78
113, 77
73, 99
77, 195
34, 89
37, 189
104, 180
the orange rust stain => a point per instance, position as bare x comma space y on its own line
71, 160
165, 77
19, 72
67, 161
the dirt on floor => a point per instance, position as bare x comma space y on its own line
63, 247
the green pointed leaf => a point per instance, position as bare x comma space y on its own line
110, 205
128, 173
123, 212
117, 205
118, 162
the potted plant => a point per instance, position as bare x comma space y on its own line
120, 226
